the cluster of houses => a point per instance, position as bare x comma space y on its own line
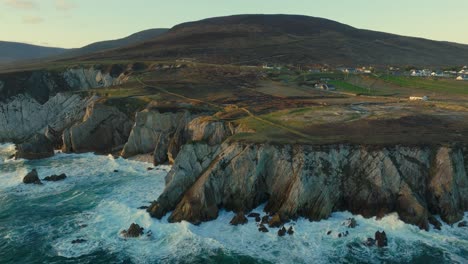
461, 75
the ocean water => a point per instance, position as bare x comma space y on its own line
39, 223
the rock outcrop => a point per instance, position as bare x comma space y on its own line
314, 181
32, 178
37, 147
55, 178
133, 231
159, 133
23, 116
163, 134
104, 129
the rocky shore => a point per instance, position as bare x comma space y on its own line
211, 172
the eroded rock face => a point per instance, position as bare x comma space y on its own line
104, 129
23, 116
313, 182
164, 134
37, 147
156, 132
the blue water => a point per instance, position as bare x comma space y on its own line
38, 224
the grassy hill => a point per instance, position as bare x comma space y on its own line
257, 39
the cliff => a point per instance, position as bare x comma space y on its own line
312, 182
163, 134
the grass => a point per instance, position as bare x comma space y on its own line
344, 86
434, 85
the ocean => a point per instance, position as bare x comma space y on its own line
39, 222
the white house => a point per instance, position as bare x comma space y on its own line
419, 98
463, 77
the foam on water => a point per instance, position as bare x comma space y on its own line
96, 204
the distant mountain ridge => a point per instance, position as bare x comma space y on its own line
256, 39
15, 51
11, 52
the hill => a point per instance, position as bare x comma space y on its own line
256, 39
15, 51
117, 43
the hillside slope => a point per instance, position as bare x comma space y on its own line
15, 51
117, 43
256, 39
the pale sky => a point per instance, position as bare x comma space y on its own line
75, 23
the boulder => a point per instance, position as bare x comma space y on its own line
56, 177
79, 241
265, 220
134, 231
239, 219
282, 231
290, 230
370, 242
381, 239
262, 228
463, 224
37, 147
275, 221
253, 215
32, 178
350, 223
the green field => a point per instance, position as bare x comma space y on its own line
434, 85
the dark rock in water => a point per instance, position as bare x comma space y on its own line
239, 219
340, 235
370, 242
275, 221
37, 147
134, 231
32, 178
78, 241
433, 221
350, 223
56, 177
143, 207
329, 233
265, 220
116, 170
258, 219
150, 169
83, 225
254, 215
463, 224
262, 228
149, 233
381, 239
282, 232
290, 230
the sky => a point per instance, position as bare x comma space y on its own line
76, 23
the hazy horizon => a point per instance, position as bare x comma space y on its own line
73, 24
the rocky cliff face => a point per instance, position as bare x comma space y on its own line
313, 182
23, 116
163, 134
104, 129
41, 85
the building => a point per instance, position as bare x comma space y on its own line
325, 86
419, 98
463, 77
421, 73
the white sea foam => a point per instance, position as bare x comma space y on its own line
121, 193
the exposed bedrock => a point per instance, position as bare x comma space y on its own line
44, 84
313, 182
104, 129
163, 134
37, 147
23, 116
